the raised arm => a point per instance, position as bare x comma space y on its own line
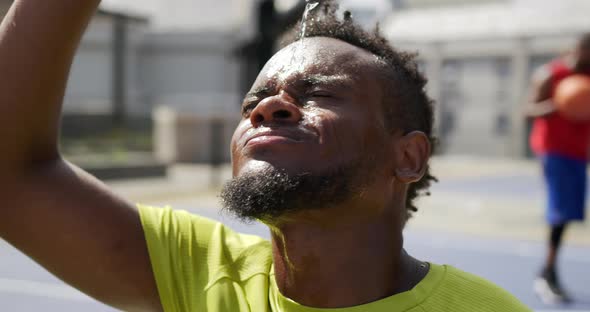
61, 217
539, 101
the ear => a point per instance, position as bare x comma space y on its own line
412, 153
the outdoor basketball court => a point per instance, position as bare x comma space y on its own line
485, 217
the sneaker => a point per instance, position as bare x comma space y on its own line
548, 289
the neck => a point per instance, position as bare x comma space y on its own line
345, 262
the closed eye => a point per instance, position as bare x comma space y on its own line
247, 108
320, 94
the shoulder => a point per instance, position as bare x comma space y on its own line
200, 246
461, 291
191, 254
190, 232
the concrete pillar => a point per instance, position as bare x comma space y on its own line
189, 137
520, 70
119, 79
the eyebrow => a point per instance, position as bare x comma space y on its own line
343, 81
260, 91
339, 80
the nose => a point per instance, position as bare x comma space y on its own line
279, 108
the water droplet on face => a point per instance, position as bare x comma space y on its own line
292, 60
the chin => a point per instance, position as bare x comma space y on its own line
290, 166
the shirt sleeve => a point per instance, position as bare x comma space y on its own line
190, 253
174, 240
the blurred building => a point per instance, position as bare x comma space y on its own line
406, 4
187, 67
183, 55
104, 76
132, 60
479, 56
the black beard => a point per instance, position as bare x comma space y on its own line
269, 194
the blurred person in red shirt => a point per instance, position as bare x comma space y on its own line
562, 146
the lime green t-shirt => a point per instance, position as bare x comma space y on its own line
201, 265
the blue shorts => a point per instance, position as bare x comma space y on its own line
565, 179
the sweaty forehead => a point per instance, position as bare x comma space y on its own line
318, 55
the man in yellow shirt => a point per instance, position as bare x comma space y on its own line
332, 149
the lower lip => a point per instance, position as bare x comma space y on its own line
270, 140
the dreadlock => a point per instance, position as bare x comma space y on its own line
406, 105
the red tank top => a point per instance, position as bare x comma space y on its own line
554, 133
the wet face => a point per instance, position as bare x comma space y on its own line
314, 108
312, 133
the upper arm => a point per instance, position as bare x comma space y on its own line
197, 261
77, 229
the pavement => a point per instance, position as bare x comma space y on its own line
485, 216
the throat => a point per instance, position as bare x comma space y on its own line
327, 268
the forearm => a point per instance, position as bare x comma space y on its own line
61, 217
540, 109
38, 39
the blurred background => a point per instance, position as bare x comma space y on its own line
154, 95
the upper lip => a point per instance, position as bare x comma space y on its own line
295, 134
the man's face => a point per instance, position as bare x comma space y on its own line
315, 107
312, 133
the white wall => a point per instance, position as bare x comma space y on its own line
367, 12
476, 103
136, 91
522, 32
90, 82
195, 72
466, 80
89, 85
437, 3
198, 15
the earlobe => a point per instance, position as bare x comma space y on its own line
408, 176
413, 152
